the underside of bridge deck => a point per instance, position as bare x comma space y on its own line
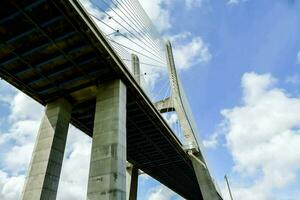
49, 50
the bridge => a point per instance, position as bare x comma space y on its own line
55, 52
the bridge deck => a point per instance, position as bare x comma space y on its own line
51, 49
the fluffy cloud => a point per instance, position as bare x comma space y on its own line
161, 193
15, 161
189, 50
19, 139
10, 186
73, 186
23, 119
298, 57
263, 134
23, 107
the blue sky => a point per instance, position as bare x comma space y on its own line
239, 62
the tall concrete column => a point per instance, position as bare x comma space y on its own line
205, 182
107, 176
45, 167
131, 182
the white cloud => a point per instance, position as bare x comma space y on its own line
161, 193
10, 187
22, 131
255, 87
24, 119
193, 3
73, 186
15, 161
189, 50
298, 57
293, 79
213, 141
263, 135
210, 144
23, 107
234, 2
158, 13
23, 122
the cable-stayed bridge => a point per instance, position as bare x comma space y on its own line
102, 66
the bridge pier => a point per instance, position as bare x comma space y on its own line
46, 162
132, 174
107, 176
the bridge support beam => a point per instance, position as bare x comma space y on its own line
107, 176
132, 182
45, 167
204, 179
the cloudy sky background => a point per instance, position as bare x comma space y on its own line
239, 62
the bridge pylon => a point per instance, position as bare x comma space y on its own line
193, 146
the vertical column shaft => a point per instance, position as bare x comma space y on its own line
46, 162
107, 176
136, 68
132, 182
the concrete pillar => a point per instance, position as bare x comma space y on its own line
136, 68
132, 175
205, 182
45, 167
107, 176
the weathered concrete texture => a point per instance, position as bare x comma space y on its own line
131, 182
45, 167
205, 182
107, 177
